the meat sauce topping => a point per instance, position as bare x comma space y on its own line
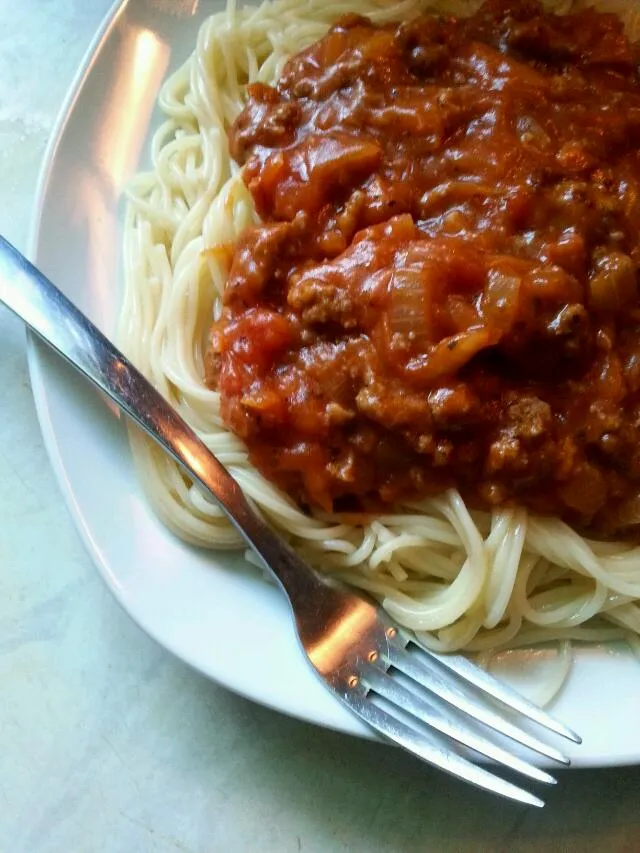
444, 287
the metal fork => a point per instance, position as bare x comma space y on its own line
429, 704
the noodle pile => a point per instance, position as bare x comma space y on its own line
460, 579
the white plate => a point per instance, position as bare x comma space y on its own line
208, 609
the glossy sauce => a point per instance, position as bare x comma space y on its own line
444, 289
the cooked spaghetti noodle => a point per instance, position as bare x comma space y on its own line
461, 579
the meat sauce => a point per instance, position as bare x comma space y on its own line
444, 287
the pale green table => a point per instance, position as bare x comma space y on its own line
109, 744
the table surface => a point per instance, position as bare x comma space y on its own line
107, 742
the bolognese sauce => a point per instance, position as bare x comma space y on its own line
443, 289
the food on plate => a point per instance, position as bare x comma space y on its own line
442, 290
386, 264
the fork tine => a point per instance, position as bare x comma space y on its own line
429, 714
434, 750
429, 675
503, 693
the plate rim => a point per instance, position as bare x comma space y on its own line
37, 351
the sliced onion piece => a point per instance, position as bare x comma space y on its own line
411, 305
501, 299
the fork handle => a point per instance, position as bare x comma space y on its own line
60, 324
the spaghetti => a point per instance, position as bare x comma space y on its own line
460, 578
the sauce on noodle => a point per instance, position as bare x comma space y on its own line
444, 287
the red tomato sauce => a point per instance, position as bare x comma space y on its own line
444, 287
